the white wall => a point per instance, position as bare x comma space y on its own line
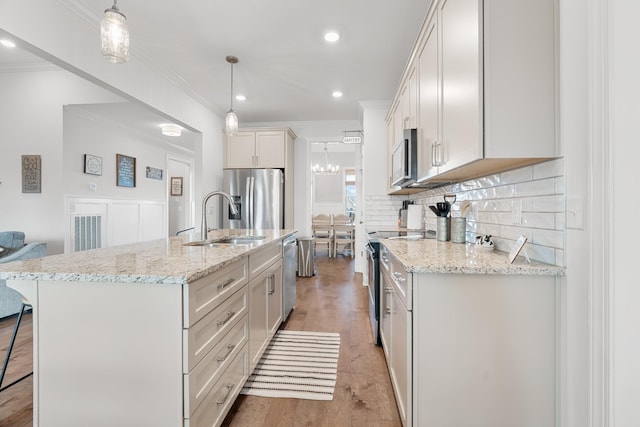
75, 49
88, 134
623, 69
31, 117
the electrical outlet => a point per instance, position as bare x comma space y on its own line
93, 186
516, 212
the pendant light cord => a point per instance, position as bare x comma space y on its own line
231, 97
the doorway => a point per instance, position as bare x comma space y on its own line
180, 195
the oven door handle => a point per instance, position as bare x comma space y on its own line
369, 250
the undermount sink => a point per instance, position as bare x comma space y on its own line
227, 241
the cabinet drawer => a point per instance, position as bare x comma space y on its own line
204, 335
402, 281
263, 258
201, 296
216, 404
202, 378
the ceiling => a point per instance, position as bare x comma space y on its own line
286, 69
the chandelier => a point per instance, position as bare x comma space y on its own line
328, 168
114, 34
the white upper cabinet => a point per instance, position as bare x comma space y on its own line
461, 108
257, 149
486, 101
428, 124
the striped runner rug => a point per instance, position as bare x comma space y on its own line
297, 364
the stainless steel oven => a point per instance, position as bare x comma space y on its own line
372, 250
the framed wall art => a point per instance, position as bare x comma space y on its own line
31, 174
92, 165
125, 171
176, 186
154, 173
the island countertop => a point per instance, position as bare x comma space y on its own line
433, 256
163, 261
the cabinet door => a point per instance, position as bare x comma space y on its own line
274, 299
428, 119
240, 150
461, 74
391, 137
270, 149
410, 106
257, 318
400, 354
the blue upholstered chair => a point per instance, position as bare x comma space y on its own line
13, 248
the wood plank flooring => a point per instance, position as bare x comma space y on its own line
16, 402
332, 301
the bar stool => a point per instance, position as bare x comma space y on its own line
25, 305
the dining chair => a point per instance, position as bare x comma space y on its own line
322, 232
343, 234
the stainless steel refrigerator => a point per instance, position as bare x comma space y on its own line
259, 196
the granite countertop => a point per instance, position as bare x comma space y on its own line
433, 256
163, 261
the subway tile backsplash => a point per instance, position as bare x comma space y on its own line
538, 190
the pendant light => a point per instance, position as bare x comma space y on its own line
328, 168
231, 120
114, 34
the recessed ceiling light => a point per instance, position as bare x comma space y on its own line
241, 97
331, 36
336, 94
7, 43
171, 130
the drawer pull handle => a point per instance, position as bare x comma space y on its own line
230, 347
272, 284
226, 396
225, 284
230, 314
388, 290
387, 310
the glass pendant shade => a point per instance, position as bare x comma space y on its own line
231, 122
114, 34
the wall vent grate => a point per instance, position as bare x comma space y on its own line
87, 232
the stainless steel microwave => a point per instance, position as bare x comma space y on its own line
404, 158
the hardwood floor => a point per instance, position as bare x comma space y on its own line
332, 301
16, 402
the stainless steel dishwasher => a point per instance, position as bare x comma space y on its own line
288, 275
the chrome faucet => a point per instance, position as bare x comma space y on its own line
204, 230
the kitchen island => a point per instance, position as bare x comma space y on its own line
150, 334
470, 339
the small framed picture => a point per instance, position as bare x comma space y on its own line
125, 171
176, 186
92, 165
154, 173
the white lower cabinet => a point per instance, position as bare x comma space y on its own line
471, 349
265, 293
396, 332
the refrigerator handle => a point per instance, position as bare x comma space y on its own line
248, 200
251, 198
